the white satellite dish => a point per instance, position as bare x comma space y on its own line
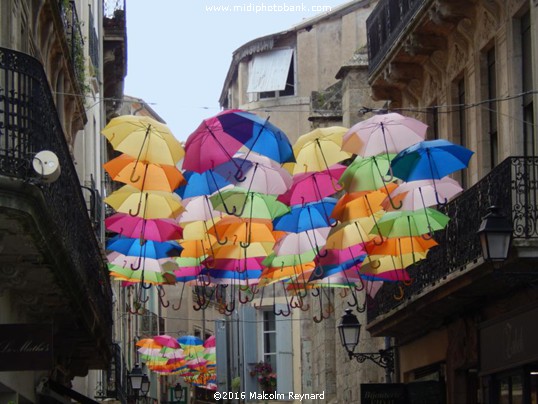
47, 166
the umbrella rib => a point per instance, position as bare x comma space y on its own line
140, 153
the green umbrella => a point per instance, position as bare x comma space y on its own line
242, 203
273, 260
367, 174
408, 223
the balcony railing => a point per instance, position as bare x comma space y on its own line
29, 124
75, 39
385, 25
513, 186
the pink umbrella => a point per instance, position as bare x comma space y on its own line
210, 145
334, 256
313, 186
166, 340
210, 342
383, 134
146, 229
233, 264
420, 194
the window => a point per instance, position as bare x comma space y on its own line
527, 86
432, 120
272, 74
269, 339
461, 126
491, 78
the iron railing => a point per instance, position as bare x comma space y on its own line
75, 39
93, 41
512, 186
29, 123
117, 376
385, 25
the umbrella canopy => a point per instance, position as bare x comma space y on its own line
400, 246
423, 193
313, 186
364, 204
259, 174
248, 204
274, 260
348, 234
145, 204
199, 184
431, 159
166, 341
366, 174
310, 216
148, 249
135, 262
298, 243
383, 134
144, 138
136, 276
145, 229
144, 175
232, 230
319, 149
410, 223
198, 208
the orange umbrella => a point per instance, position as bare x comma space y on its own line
196, 248
273, 274
362, 206
144, 175
401, 246
148, 343
232, 230
350, 196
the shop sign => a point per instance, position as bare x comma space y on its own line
25, 347
510, 342
383, 393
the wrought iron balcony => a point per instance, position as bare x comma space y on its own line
512, 186
386, 24
29, 123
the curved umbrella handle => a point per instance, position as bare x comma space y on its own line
401, 295
138, 264
174, 307
239, 175
161, 294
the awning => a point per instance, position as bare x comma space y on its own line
268, 71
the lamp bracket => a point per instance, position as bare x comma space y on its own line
384, 358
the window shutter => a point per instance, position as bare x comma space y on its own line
250, 343
269, 71
284, 348
221, 349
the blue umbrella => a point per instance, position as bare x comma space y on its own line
190, 340
312, 215
261, 136
198, 184
148, 249
431, 159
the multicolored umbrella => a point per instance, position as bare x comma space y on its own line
200, 184
239, 202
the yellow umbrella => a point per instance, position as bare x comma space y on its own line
351, 233
270, 275
235, 251
319, 149
145, 204
144, 138
198, 230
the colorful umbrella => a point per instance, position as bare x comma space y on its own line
319, 149
365, 204
310, 216
145, 229
199, 184
383, 134
259, 174
241, 203
431, 159
146, 204
420, 194
410, 223
144, 138
148, 249
144, 175
366, 174
198, 209
298, 243
313, 186
166, 341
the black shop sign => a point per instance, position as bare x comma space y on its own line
25, 347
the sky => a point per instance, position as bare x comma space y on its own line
179, 52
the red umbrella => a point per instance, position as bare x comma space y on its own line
146, 229
166, 340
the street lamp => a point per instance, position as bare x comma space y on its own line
495, 234
350, 329
178, 392
138, 381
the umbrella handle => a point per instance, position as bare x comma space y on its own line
391, 176
239, 175
133, 173
401, 295
138, 265
161, 292
376, 265
318, 271
320, 254
146, 286
257, 307
174, 307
